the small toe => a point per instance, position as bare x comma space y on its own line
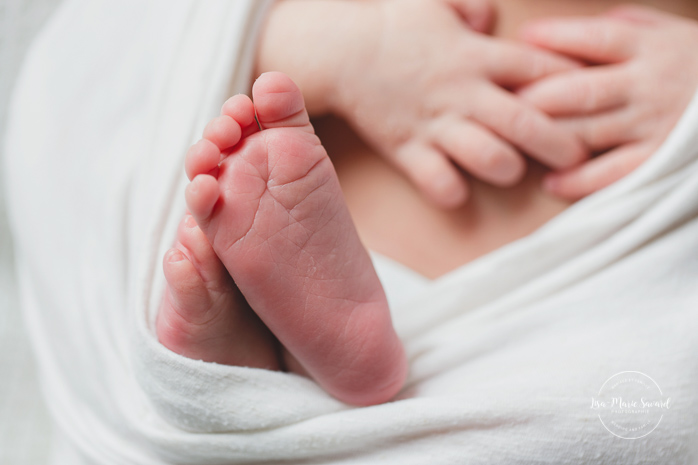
201, 196
202, 158
191, 237
240, 108
185, 288
223, 131
201, 253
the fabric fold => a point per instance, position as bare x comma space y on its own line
505, 353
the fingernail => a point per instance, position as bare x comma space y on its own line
175, 256
530, 31
527, 31
450, 191
506, 171
551, 184
190, 222
445, 185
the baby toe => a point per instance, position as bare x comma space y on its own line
223, 131
185, 287
201, 253
202, 158
201, 196
241, 109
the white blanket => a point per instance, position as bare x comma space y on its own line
506, 353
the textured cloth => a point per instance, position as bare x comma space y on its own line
506, 353
25, 427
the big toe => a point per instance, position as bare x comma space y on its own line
279, 102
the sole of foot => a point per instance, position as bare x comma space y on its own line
271, 208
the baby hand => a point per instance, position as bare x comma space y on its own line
430, 96
627, 106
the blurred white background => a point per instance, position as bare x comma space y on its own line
25, 428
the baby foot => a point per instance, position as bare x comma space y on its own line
274, 213
203, 315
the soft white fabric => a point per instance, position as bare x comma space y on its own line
505, 353
25, 427
401, 284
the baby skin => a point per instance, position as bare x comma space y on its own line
268, 254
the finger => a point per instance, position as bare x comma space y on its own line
433, 174
579, 92
639, 14
597, 173
511, 64
478, 151
479, 14
598, 40
603, 131
528, 129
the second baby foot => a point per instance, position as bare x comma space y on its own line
202, 315
274, 213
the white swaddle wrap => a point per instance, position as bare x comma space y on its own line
506, 353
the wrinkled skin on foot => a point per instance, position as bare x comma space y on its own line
271, 208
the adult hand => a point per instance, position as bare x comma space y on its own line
430, 94
625, 107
